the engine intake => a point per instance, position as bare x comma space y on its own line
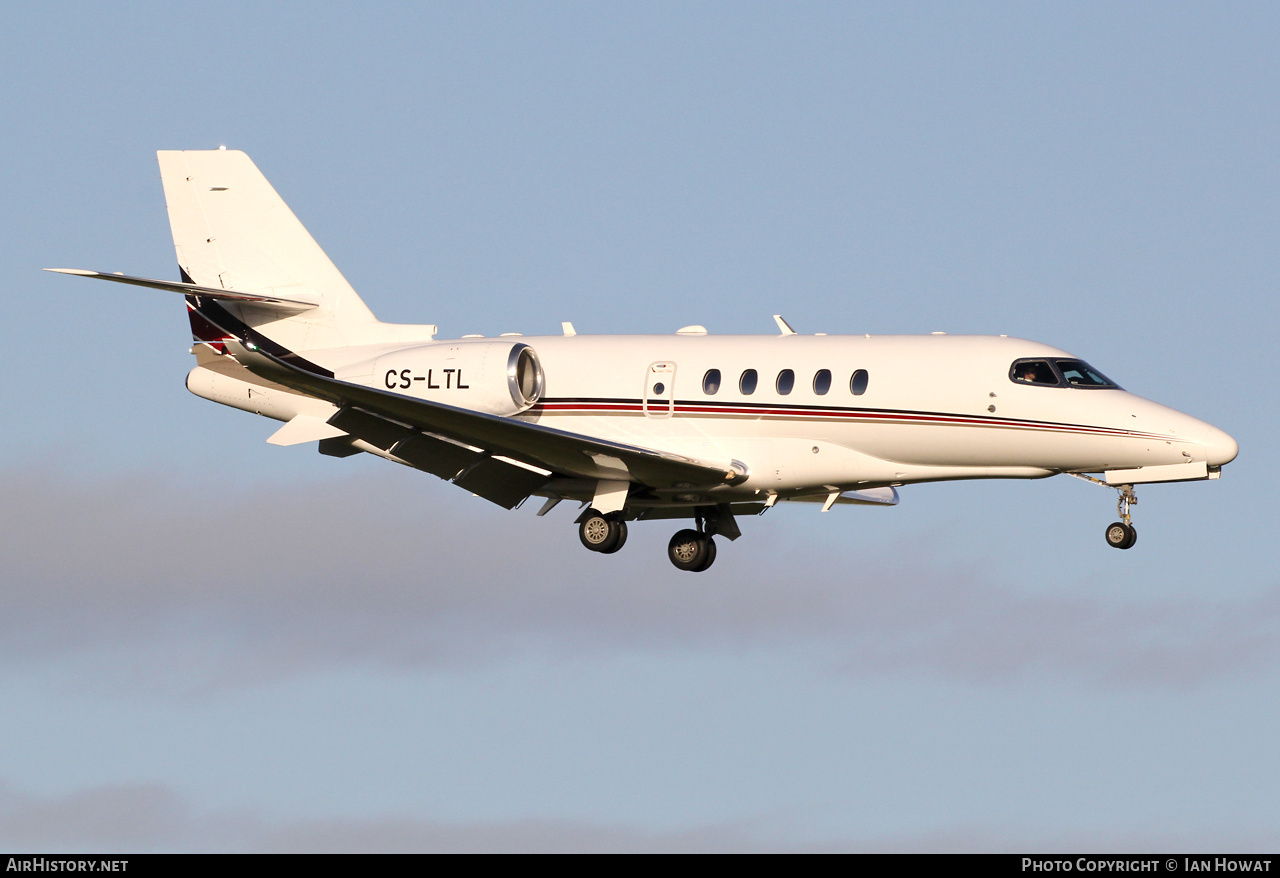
524, 376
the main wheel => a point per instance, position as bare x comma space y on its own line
711, 556
1121, 535
599, 534
688, 549
620, 541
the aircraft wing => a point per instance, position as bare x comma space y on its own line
502, 459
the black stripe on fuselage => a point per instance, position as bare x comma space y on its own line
213, 313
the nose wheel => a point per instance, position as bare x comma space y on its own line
1122, 534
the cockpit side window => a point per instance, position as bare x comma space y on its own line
1080, 374
1037, 372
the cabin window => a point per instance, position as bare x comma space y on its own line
858, 382
747, 383
1037, 372
711, 382
1080, 374
786, 381
822, 382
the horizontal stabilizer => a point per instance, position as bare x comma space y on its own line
304, 428
194, 290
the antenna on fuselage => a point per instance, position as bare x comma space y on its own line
783, 326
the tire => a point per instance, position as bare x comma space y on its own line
1120, 535
711, 556
687, 549
598, 533
621, 539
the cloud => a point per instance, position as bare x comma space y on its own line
227, 584
152, 817
116, 817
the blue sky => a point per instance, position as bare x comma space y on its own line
214, 644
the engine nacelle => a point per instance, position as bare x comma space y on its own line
497, 377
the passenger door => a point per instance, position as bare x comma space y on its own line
657, 399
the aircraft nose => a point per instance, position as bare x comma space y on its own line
1220, 448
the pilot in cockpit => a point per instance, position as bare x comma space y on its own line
1036, 372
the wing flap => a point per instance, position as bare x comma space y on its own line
339, 446
496, 480
378, 432
436, 456
500, 482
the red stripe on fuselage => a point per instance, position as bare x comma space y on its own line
829, 414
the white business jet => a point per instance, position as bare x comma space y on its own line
683, 426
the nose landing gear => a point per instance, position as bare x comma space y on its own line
1122, 534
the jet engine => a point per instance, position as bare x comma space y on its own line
497, 377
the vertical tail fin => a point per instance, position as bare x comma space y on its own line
232, 231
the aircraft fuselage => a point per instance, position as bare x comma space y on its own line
928, 408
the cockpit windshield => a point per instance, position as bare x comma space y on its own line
1055, 372
1080, 374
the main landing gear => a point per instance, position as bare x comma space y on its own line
1122, 534
602, 533
692, 550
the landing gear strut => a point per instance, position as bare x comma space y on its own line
1122, 534
602, 533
